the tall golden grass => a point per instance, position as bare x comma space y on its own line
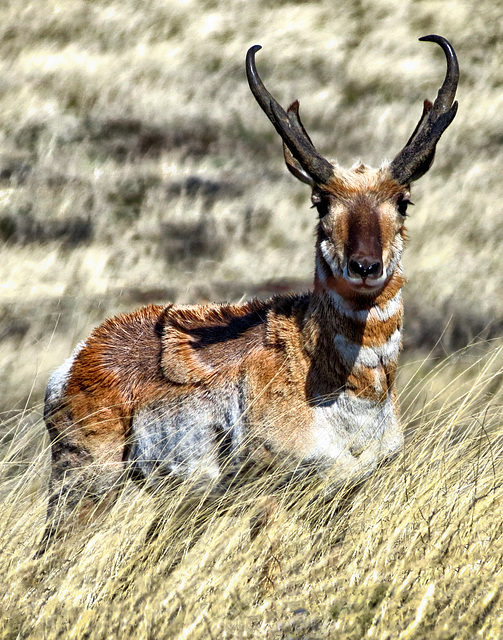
416, 553
136, 167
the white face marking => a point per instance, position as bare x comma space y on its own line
325, 251
374, 283
334, 247
397, 249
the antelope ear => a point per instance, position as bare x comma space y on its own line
295, 168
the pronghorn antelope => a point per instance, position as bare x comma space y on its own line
299, 382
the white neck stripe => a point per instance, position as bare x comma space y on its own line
374, 313
354, 354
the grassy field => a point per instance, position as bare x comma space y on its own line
136, 167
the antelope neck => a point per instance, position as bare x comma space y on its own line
359, 348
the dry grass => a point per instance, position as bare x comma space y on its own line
136, 167
417, 553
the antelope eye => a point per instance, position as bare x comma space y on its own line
402, 204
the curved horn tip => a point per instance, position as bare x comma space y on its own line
431, 38
253, 50
443, 42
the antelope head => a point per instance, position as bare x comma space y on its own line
362, 210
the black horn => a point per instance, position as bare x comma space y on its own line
288, 126
416, 157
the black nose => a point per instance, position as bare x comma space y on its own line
365, 268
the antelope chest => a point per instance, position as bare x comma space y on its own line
358, 425
349, 424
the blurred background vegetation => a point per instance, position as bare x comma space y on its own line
136, 167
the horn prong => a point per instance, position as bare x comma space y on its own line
417, 155
288, 126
